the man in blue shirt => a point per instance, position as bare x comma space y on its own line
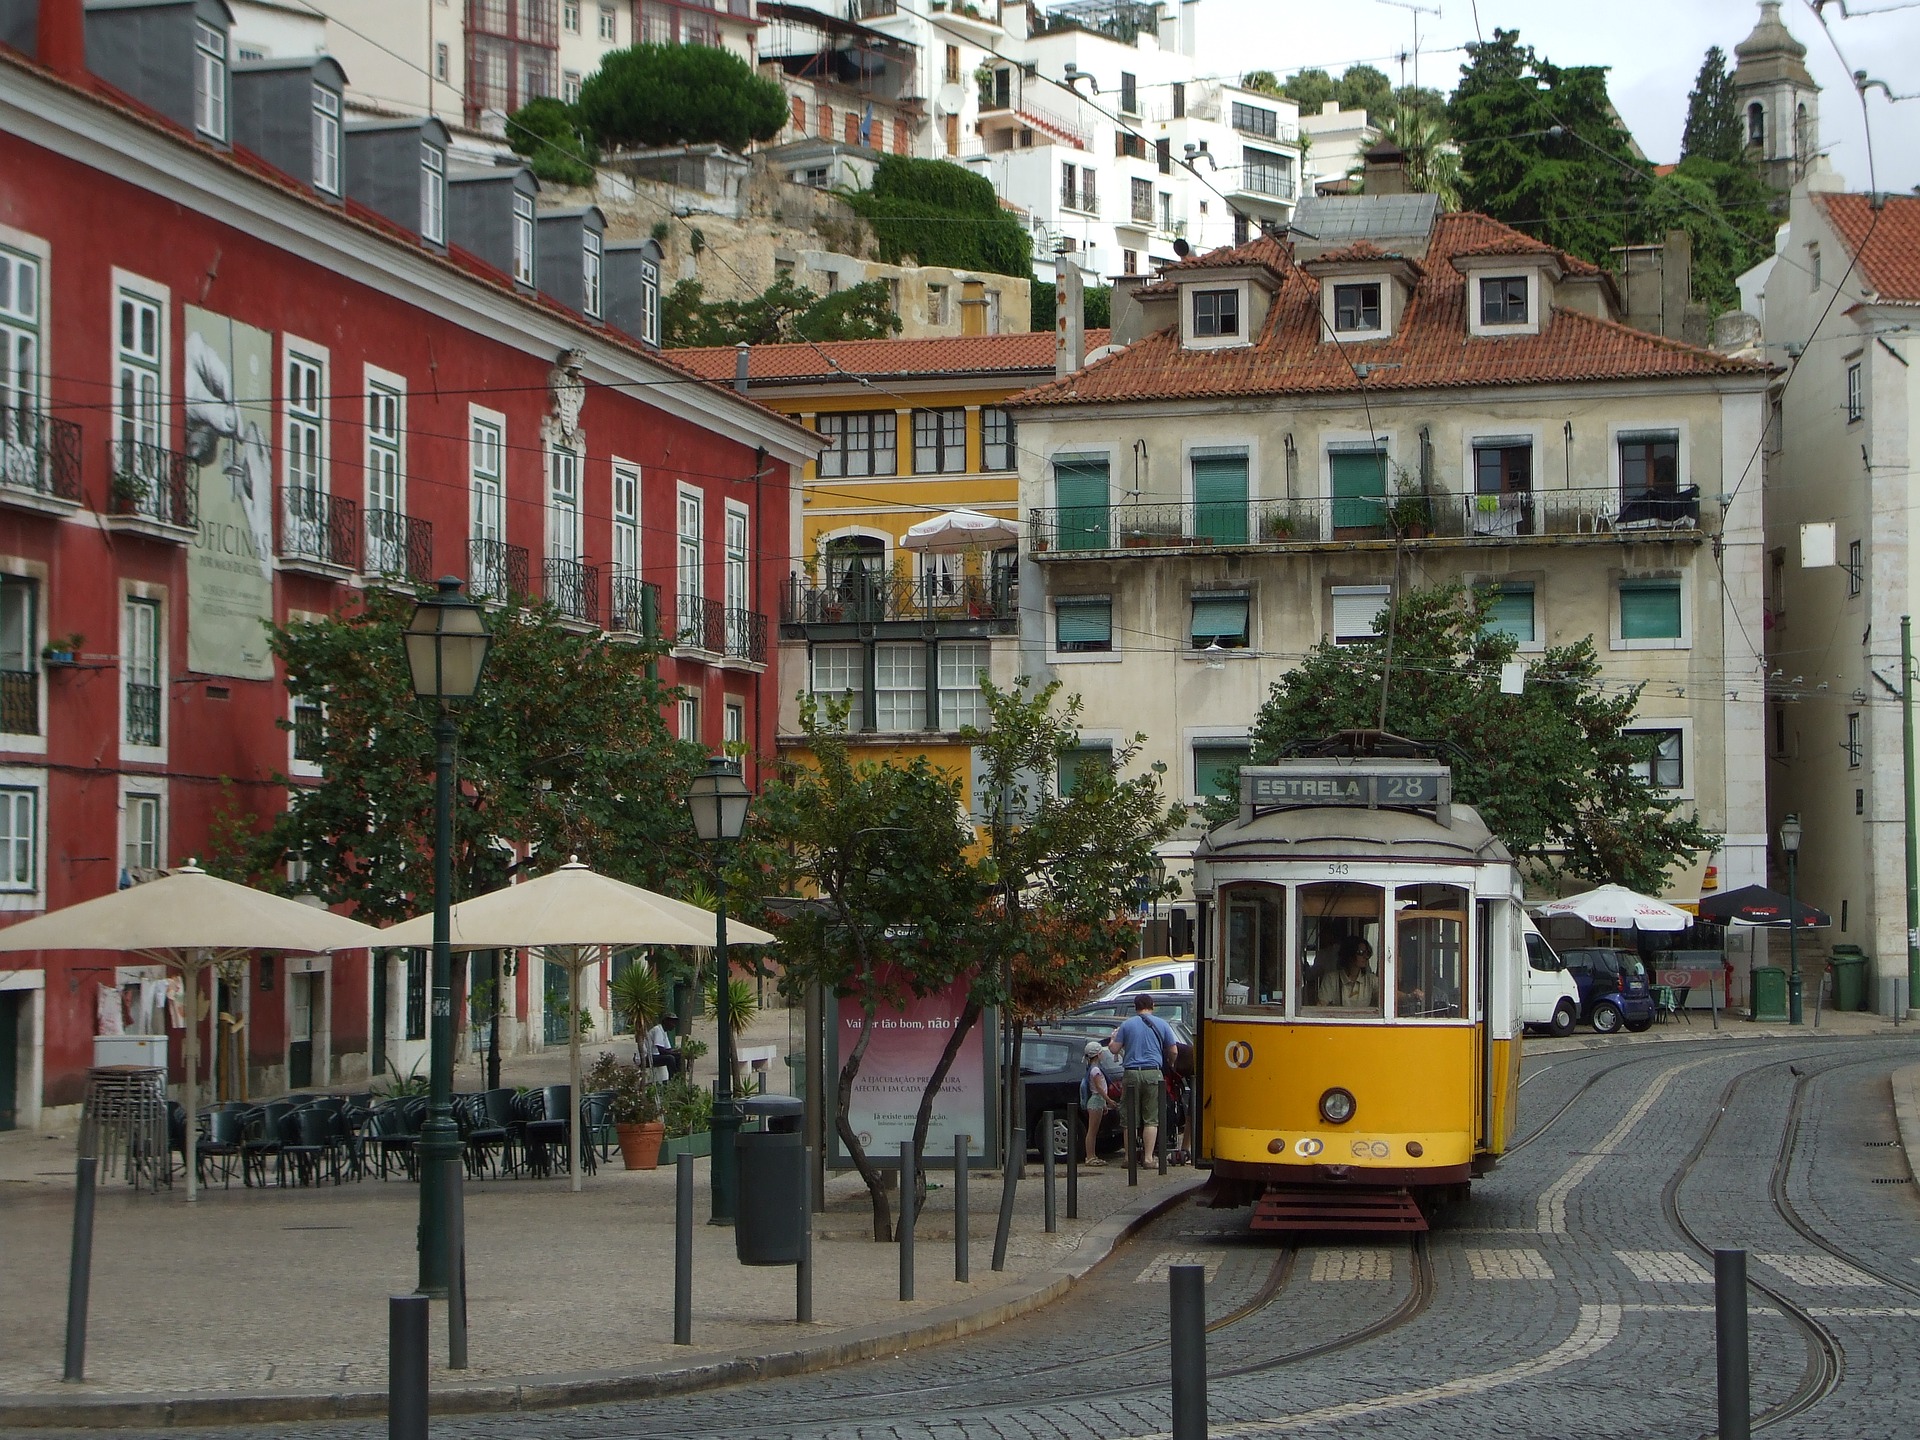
1146, 1049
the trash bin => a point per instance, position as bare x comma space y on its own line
771, 1166
1769, 993
1849, 964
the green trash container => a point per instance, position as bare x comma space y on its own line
1769, 993
1849, 963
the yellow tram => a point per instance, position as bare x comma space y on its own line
1359, 1041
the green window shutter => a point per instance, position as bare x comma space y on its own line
1219, 617
1359, 487
1088, 760
1650, 610
1216, 769
1083, 624
1512, 612
1081, 492
1220, 498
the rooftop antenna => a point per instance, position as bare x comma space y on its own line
1418, 11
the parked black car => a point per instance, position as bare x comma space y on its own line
1613, 988
1051, 1064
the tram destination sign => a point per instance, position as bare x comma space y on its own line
1407, 784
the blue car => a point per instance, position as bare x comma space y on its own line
1613, 989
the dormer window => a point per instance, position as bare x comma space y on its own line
209, 82
326, 140
523, 239
1356, 307
650, 303
590, 275
1503, 300
433, 194
1216, 313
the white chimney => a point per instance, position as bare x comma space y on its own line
1069, 318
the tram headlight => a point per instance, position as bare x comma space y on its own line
1337, 1106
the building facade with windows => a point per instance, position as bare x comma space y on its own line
1415, 399
1840, 302
281, 378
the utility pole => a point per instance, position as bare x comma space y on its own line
1913, 856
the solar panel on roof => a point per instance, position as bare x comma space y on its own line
1335, 220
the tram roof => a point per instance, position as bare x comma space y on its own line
1308, 832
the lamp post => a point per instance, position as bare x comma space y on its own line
446, 644
1790, 845
719, 800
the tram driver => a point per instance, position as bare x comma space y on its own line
1352, 986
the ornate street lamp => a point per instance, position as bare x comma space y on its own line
446, 644
718, 800
1790, 845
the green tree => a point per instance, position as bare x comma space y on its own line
547, 131
1726, 210
785, 311
883, 848
1264, 81
1421, 100
1361, 87
1433, 163
1714, 129
1543, 150
563, 750
1553, 770
680, 95
934, 212
1310, 89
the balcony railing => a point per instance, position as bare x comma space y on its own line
309, 734
143, 714
20, 702
39, 455
874, 598
319, 528
151, 482
711, 626
1441, 515
572, 587
399, 547
496, 570
636, 605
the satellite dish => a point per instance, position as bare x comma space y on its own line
1182, 249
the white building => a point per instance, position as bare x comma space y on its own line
1336, 142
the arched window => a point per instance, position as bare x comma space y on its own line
854, 559
1757, 125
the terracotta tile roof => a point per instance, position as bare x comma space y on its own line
1018, 356
1264, 250
1891, 260
1359, 252
1431, 350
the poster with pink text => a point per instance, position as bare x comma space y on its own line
906, 1046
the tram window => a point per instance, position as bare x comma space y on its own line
1256, 937
1339, 961
1429, 951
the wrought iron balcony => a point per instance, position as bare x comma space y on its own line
496, 570
871, 599
747, 636
153, 483
20, 702
399, 547
711, 626
39, 455
572, 587
143, 714
1441, 515
636, 605
317, 528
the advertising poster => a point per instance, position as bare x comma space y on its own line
229, 410
906, 1046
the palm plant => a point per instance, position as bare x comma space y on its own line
638, 997
1433, 161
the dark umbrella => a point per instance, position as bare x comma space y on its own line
1757, 905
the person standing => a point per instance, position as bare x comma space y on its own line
1146, 1049
1096, 1097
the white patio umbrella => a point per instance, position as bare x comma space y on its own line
190, 921
570, 914
1614, 907
960, 530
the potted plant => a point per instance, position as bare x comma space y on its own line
1279, 526
687, 1109
634, 1109
1411, 513
128, 489
65, 650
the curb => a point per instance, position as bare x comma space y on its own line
1682, 1035
597, 1387
1906, 1114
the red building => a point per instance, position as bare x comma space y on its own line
254, 362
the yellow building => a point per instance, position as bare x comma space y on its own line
901, 624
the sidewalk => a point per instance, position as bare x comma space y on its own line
263, 1305
1699, 1025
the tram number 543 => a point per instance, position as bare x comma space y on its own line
1338, 867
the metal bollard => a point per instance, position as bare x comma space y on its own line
1009, 1179
406, 1367
1730, 1342
908, 1184
961, 1233
457, 1265
1187, 1309
1160, 1136
1130, 1116
1047, 1166
803, 1272
683, 1250
1074, 1124
80, 1268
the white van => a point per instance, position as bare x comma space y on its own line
1551, 1001
1156, 972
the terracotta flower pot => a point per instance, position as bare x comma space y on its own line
640, 1144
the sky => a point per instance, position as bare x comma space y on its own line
1653, 49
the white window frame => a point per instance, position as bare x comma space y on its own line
34, 573
1683, 460
1535, 579
524, 246
1856, 388
609, 24
297, 766
1349, 442
144, 796
1190, 337
1011, 445
381, 445
157, 596
17, 326
570, 16
1337, 593
1331, 283
564, 502
486, 473
304, 430
592, 267
130, 287
30, 895
649, 302
1477, 326
896, 650
1680, 578
949, 681
733, 724
627, 553
1855, 743
209, 81
1684, 725
1194, 737
689, 557
836, 654
433, 193
941, 456
326, 140
737, 549
689, 718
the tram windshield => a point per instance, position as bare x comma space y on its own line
1339, 962
1429, 956
1256, 948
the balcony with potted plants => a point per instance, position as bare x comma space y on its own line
152, 491
39, 462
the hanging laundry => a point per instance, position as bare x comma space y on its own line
176, 1003
107, 1011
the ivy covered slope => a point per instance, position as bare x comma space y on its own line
931, 212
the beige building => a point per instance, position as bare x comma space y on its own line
1223, 494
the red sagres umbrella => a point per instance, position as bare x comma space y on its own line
1757, 905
